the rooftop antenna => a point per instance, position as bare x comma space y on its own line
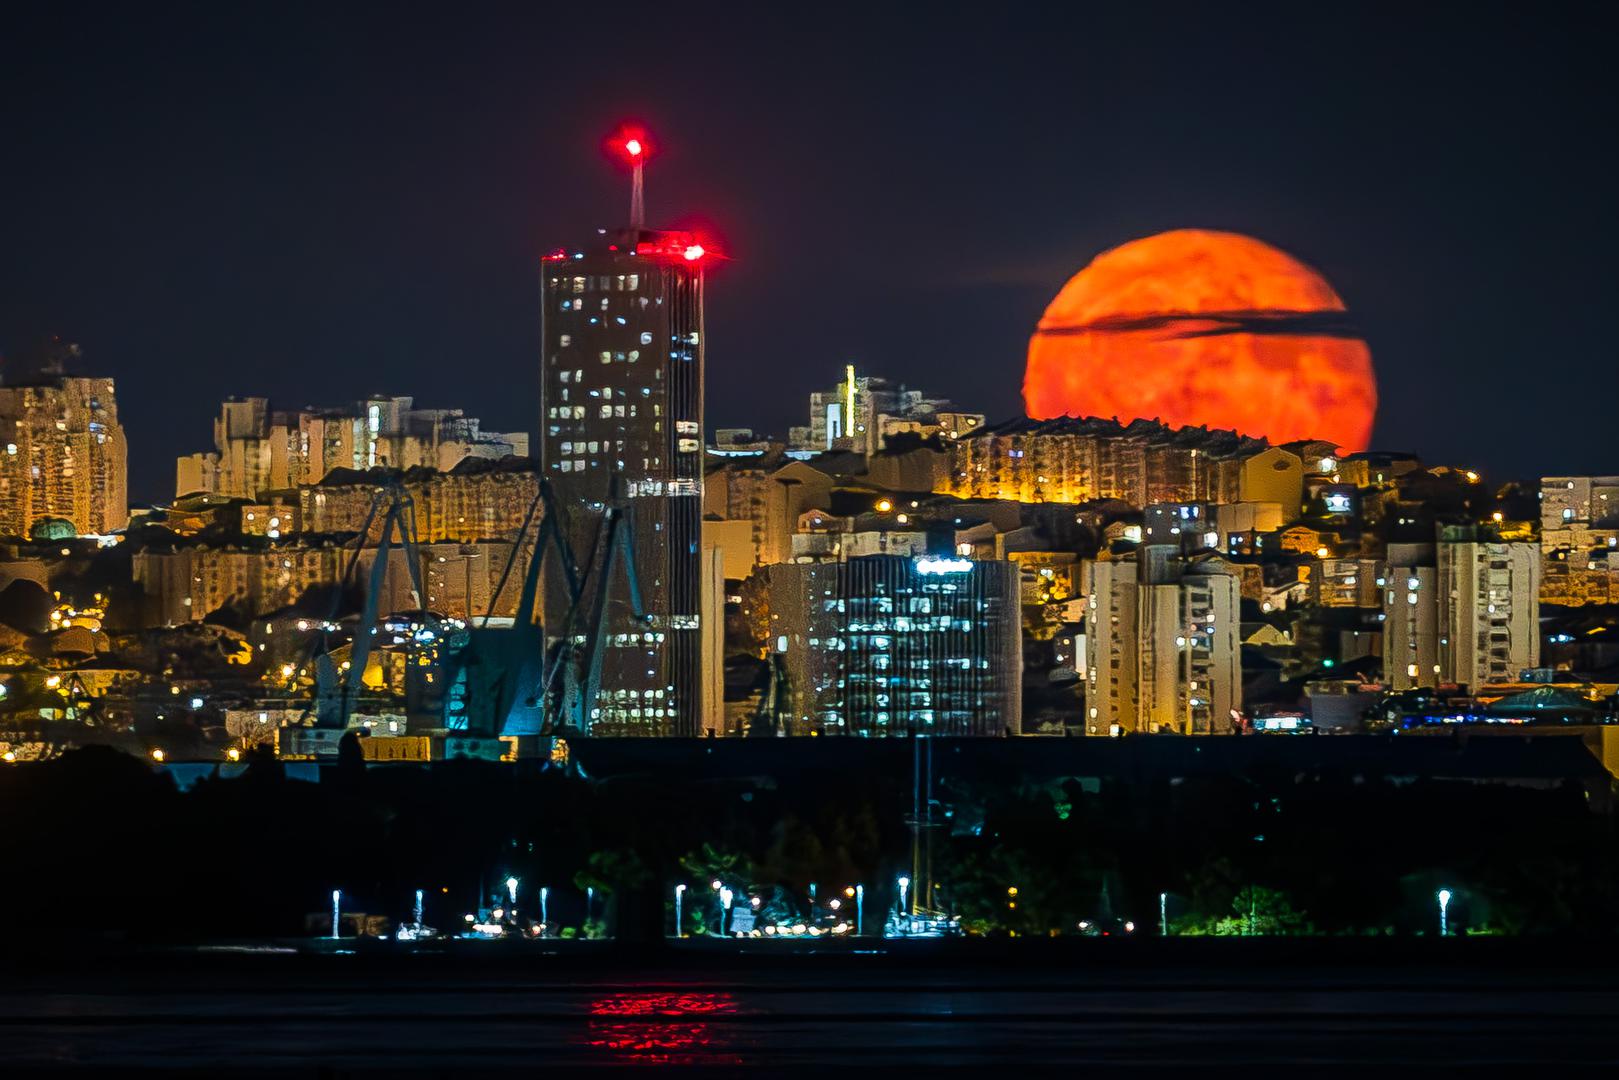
636, 151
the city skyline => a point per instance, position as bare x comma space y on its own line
654, 536
393, 266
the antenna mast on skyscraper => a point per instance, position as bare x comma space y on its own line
637, 155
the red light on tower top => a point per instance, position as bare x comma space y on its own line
672, 245
631, 144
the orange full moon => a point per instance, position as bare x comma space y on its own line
1195, 327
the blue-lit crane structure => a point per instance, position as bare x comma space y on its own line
503, 681
495, 680
335, 696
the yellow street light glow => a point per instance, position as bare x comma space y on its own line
158, 755
884, 506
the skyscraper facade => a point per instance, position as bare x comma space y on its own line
898, 645
621, 428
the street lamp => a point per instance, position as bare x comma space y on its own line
726, 896
545, 894
1163, 914
337, 908
859, 910
1444, 912
904, 884
511, 890
680, 894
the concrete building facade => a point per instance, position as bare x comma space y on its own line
257, 449
62, 450
1080, 460
1162, 639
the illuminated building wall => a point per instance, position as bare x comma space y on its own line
770, 496
1489, 610
1410, 619
477, 500
1348, 583
861, 411
1078, 460
62, 452
189, 583
1465, 611
259, 450
1162, 645
1579, 540
888, 645
622, 423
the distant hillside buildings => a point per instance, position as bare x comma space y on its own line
64, 454
863, 412
257, 450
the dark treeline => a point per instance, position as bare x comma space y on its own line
100, 843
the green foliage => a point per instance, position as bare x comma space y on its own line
708, 864
613, 871
1255, 912
1025, 843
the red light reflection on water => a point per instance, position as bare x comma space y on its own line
661, 1028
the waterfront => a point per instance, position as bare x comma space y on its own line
1344, 1002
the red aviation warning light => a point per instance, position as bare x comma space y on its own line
673, 245
631, 143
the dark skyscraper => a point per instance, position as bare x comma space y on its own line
622, 421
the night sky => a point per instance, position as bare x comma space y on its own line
318, 204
